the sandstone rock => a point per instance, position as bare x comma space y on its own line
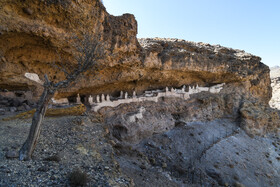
34, 32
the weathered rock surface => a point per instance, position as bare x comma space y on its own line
34, 33
173, 142
258, 118
275, 84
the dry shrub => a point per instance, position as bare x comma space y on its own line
78, 178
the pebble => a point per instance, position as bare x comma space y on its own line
12, 154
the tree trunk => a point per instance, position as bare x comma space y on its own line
28, 147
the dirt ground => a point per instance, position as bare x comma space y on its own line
211, 153
78, 142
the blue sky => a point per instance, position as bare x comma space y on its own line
250, 25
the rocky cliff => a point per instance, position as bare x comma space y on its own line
34, 34
173, 141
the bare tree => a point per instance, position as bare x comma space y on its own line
86, 53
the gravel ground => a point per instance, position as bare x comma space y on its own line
65, 143
210, 153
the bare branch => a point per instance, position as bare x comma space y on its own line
60, 68
86, 54
47, 79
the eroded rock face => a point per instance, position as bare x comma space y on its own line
258, 118
207, 64
133, 122
33, 33
275, 84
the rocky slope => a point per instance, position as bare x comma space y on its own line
210, 153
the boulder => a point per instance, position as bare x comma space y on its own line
12, 154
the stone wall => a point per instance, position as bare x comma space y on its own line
151, 96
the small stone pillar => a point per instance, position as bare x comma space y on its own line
166, 89
90, 100
184, 88
126, 95
102, 98
108, 97
98, 99
172, 90
121, 94
78, 99
134, 94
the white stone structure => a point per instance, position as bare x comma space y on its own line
137, 116
90, 100
102, 98
62, 101
154, 96
121, 94
108, 98
125, 95
34, 77
98, 99
78, 99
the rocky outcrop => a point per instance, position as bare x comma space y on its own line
35, 33
258, 118
155, 141
208, 64
275, 84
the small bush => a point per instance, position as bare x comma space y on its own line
78, 178
54, 158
